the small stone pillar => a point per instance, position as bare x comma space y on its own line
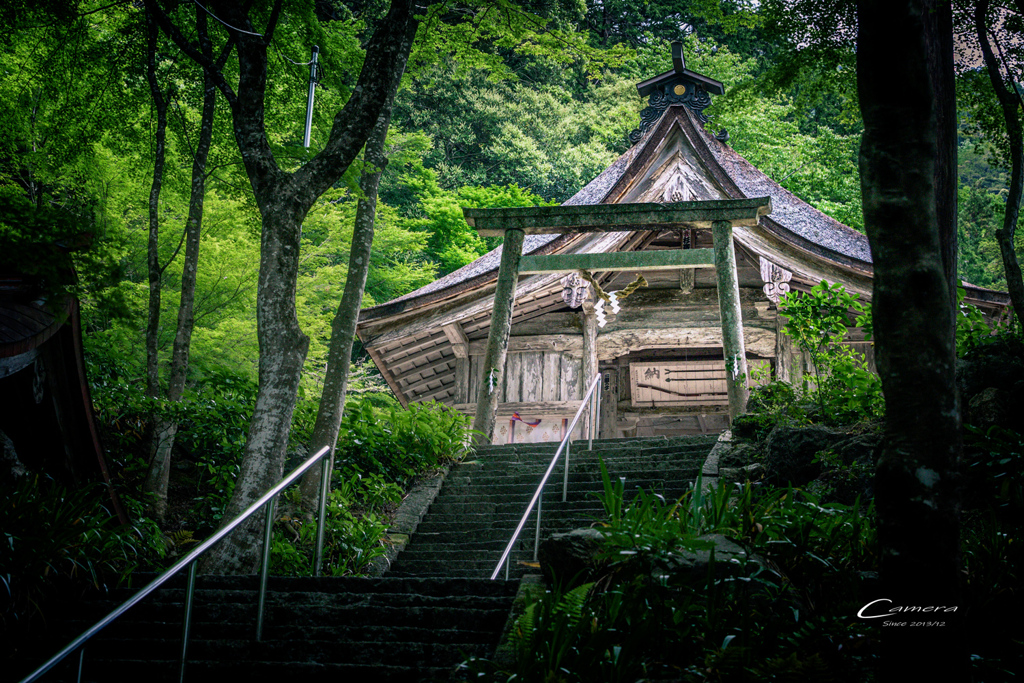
589, 358
493, 380
732, 318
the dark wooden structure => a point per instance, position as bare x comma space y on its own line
46, 419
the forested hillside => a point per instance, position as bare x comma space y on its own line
123, 141
510, 121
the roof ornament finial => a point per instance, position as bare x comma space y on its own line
678, 61
678, 86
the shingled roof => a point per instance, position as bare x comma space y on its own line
794, 226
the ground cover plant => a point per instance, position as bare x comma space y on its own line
843, 387
648, 614
381, 450
786, 613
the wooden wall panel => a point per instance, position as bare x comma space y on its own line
531, 368
552, 376
570, 380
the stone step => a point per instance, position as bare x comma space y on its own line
514, 507
479, 566
260, 671
310, 584
685, 451
525, 487
293, 649
601, 444
322, 628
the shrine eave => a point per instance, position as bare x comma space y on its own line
645, 88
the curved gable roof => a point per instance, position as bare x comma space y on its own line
794, 229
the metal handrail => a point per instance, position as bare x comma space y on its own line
593, 395
189, 561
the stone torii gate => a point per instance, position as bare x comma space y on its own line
718, 215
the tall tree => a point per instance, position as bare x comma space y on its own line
1004, 83
284, 198
343, 328
165, 429
157, 477
916, 479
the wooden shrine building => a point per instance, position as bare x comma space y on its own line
656, 211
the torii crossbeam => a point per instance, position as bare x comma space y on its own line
719, 215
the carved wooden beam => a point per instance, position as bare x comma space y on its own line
667, 259
455, 334
545, 408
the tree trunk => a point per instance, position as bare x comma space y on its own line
283, 349
284, 199
164, 430
343, 328
1010, 104
916, 480
158, 475
939, 49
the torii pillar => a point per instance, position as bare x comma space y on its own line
732, 319
719, 215
492, 383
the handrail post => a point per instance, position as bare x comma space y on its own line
81, 663
187, 561
536, 499
265, 568
595, 397
186, 626
325, 478
565, 478
536, 538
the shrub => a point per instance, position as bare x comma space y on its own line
784, 617
844, 389
399, 443
56, 540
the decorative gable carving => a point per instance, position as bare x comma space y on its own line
675, 174
776, 280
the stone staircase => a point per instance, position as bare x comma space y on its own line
388, 629
431, 611
476, 511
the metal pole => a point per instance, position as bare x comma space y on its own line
565, 479
186, 626
325, 479
81, 662
309, 98
536, 538
265, 568
593, 413
597, 410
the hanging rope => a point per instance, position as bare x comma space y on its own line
620, 295
611, 298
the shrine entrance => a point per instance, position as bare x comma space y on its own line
718, 215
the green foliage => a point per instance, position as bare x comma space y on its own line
783, 616
213, 421
993, 556
974, 331
769, 404
844, 388
398, 443
353, 532
979, 216
36, 241
56, 543
995, 474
